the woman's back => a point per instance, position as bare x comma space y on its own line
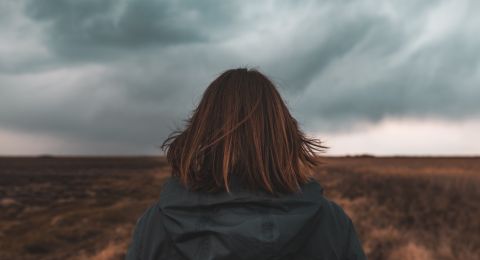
244, 225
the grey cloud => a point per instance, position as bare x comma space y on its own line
108, 120
95, 30
298, 68
440, 81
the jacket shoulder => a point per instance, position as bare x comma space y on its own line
149, 239
335, 236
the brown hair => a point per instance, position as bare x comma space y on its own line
242, 126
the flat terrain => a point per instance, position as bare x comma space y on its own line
85, 208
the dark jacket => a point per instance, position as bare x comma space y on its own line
244, 225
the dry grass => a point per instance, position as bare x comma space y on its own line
73, 208
403, 209
85, 208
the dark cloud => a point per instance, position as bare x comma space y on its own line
299, 67
438, 81
91, 29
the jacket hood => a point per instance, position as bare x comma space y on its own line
241, 224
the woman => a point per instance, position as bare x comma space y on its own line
242, 184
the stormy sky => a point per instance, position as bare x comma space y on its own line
117, 76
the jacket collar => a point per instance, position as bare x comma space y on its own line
174, 193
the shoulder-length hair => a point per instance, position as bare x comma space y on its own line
242, 126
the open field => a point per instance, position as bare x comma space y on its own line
85, 208
410, 208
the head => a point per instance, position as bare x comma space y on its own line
242, 126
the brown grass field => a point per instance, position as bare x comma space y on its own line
85, 208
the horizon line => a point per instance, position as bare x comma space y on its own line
163, 155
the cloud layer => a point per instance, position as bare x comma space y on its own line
123, 74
